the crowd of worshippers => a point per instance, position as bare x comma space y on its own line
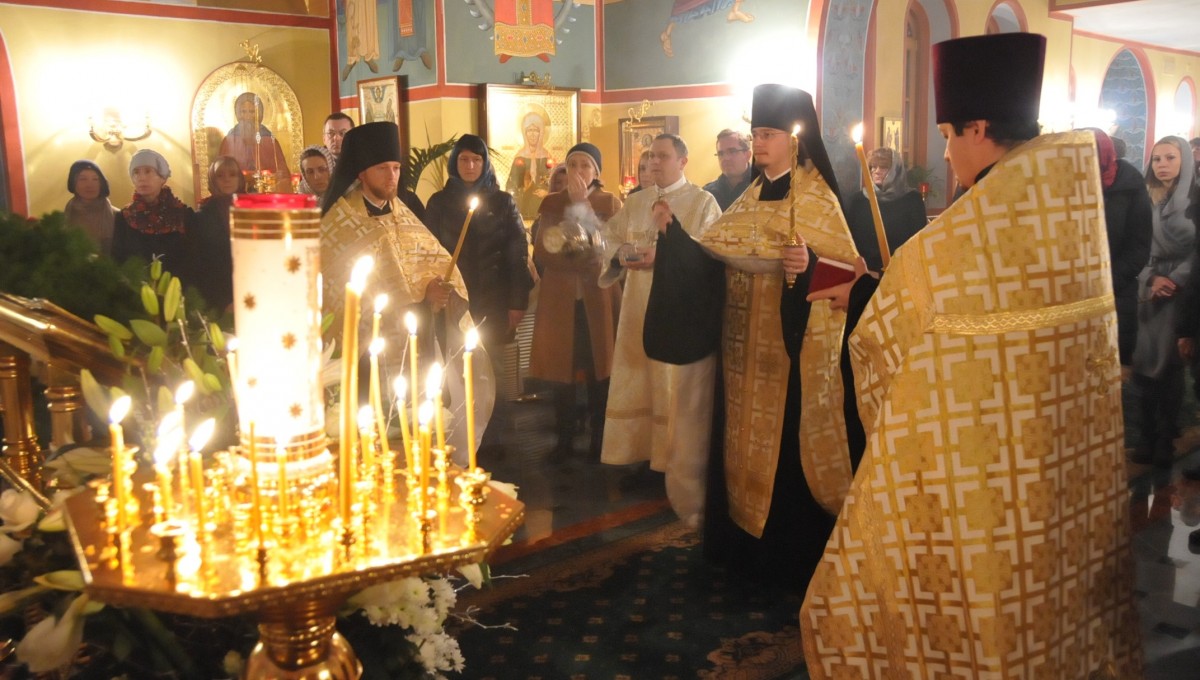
677, 324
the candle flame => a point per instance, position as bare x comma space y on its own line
184, 392
366, 416
376, 347
202, 434
472, 340
168, 444
358, 276
400, 385
231, 344
410, 322
381, 301
474, 203
433, 384
796, 130
120, 409
425, 414
857, 134
168, 423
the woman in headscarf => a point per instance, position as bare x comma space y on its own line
155, 221
210, 261
529, 176
316, 169
252, 144
575, 328
494, 253
1129, 219
89, 209
900, 206
1158, 370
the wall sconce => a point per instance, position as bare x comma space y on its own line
113, 133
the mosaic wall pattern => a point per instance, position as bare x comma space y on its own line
1124, 91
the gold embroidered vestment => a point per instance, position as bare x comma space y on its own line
986, 533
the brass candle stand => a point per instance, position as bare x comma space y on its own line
295, 578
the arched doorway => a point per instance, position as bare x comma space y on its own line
1183, 119
1004, 18
1124, 93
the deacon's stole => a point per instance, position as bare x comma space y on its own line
407, 256
749, 238
986, 534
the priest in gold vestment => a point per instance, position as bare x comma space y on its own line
781, 465
361, 215
986, 534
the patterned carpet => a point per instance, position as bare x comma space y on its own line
647, 606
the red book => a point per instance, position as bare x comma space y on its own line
830, 273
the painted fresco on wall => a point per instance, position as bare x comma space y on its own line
1124, 91
697, 42
385, 37
842, 84
471, 55
523, 28
301, 7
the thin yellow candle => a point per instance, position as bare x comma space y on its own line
433, 392
163, 453
231, 362
400, 386
199, 438
462, 236
183, 394
281, 459
885, 253
410, 322
366, 420
116, 414
426, 454
468, 376
376, 398
354, 289
256, 513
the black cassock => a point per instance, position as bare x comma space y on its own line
683, 324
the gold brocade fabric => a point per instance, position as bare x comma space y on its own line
407, 256
749, 237
986, 534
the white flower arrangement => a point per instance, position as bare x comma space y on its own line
422, 605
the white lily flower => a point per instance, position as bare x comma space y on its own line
17, 510
51, 644
473, 573
8, 548
506, 488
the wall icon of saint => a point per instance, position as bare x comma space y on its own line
253, 144
529, 176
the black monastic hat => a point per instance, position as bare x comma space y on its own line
362, 147
782, 107
989, 77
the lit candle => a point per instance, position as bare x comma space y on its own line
281, 459
468, 376
426, 449
400, 385
410, 322
183, 394
256, 513
885, 253
163, 453
376, 399
462, 236
354, 289
116, 414
199, 438
366, 420
433, 392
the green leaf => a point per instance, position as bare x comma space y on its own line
326, 322
116, 347
155, 269
210, 384
94, 394
193, 370
112, 327
218, 337
166, 400
163, 282
149, 332
149, 300
171, 300
155, 360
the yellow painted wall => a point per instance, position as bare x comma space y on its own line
68, 65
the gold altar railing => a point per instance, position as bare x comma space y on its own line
40, 338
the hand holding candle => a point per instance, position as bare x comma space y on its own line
885, 252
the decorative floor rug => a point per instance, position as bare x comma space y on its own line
647, 606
